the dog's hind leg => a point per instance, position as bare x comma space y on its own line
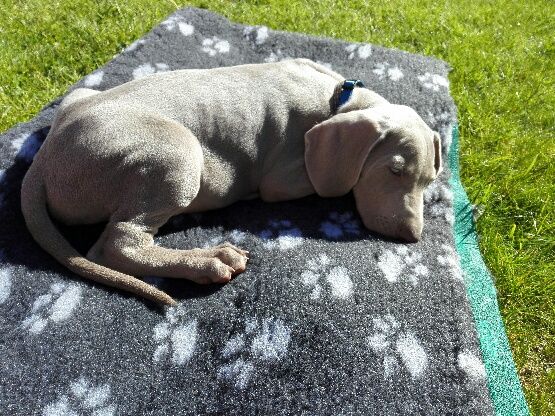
129, 247
161, 179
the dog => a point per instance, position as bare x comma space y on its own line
188, 141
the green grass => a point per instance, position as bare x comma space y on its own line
502, 52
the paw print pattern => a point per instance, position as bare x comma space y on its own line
433, 81
236, 237
471, 365
438, 200
178, 22
135, 45
288, 236
438, 192
5, 282
215, 45
277, 56
256, 34
83, 399
384, 70
94, 79
362, 50
26, 146
176, 340
402, 263
397, 348
258, 345
55, 306
450, 260
443, 123
337, 277
433, 119
339, 225
148, 69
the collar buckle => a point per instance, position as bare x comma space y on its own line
345, 90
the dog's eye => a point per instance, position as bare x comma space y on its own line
396, 170
397, 165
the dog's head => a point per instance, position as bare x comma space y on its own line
387, 155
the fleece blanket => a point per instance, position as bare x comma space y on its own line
328, 319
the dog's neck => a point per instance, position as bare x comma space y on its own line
360, 99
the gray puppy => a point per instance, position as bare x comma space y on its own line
195, 140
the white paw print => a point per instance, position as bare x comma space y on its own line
397, 348
148, 69
337, 277
5, 282
215, 45
450, 260
135, 45
438, 200
259, 344
176, 340
5, 274
434, 119
385, 70
277, 56
54, 307
94, 79
443, 123
27, 145
235, 236
82, 399
288, 236
471, 365
363, 50
402, 263
433, 81
256, 34
340, 224
178, 22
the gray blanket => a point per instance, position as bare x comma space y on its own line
328, 319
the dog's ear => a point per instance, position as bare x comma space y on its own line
438, 163
336, 149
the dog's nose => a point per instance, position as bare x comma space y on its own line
409, 232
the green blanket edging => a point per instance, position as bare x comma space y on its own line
503, 383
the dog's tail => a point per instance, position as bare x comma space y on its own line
45, 233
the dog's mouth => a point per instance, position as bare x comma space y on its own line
391, 228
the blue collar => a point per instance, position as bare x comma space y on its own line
344, 91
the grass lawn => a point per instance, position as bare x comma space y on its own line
502, 52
